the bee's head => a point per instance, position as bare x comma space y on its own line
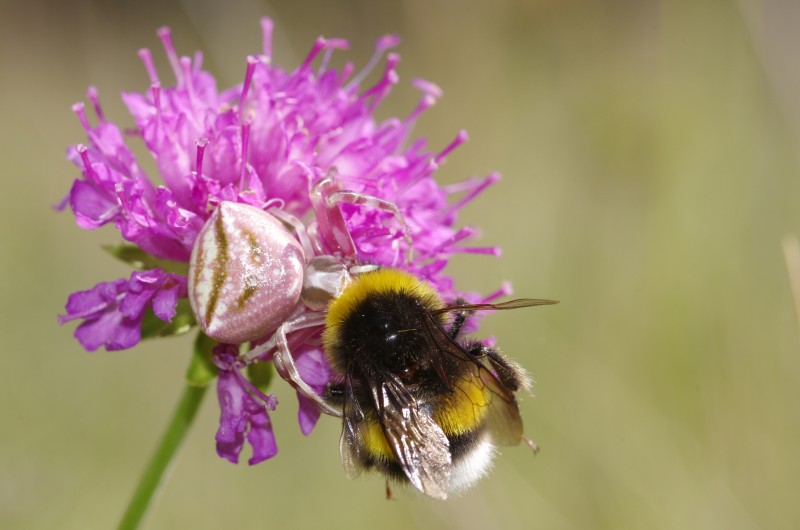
387, 329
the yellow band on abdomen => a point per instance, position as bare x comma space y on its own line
464, 409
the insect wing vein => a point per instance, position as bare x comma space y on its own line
419, 444
351, 442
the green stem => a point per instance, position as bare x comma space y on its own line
161, 461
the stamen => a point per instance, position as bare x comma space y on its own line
471, 194
155, 93
147, 59
323, 65
319, 45
461, 186
186, 68
266, 31
505, 290
324, 44
165, 35
198, 62
427, 87
378, 92
84, 152
92, 94
387, 42
270, 402
389, 78
460, 138
252, 61
245, 143
337, 44
461, 235
200, 192
430, 94
384, 43
333, 44
347, 71
201, 144
80, 111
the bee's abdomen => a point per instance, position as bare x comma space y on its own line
377, 449
471, 454
464, 408
461, 414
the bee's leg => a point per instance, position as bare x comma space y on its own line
388, 491
284, 361
511, 375
334, 394
459, 319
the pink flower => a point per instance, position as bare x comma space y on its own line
112, 312
264, 142
243, 411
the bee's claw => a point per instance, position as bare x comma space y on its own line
530, 443
389, 496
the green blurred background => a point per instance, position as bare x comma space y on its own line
649, 153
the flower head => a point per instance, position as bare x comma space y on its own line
265, 142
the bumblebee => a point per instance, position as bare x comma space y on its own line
420, 404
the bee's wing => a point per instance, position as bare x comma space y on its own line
351, 443
511, 304
419, 444
503, 419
